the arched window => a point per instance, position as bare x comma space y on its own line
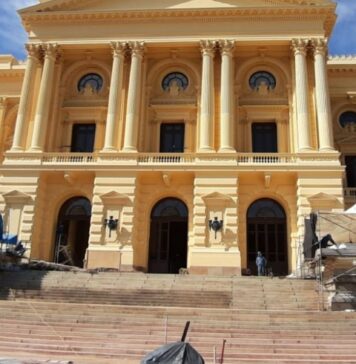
170, 207
266, 208
347, 118
262, 78
92, 80
176, 79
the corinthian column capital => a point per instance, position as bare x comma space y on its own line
226, 47
299, 46
208, 47
33, 50
137, 48
50, 50
319, 46
118, 48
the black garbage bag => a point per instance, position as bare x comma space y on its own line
176, 353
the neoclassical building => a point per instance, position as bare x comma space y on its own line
167, 134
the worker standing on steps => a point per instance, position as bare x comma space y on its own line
261, 264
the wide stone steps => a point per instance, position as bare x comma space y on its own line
108, 318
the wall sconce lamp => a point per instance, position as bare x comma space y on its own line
111, 223
216, 225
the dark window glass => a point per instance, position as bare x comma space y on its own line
265, 208
170, 207
264, 138
350, 162
346, 118
178, 78
83, 137
172, 138
262, 78
93, 80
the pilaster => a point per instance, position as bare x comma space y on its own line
112, 249
215, 197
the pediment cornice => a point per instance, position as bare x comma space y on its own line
207, 15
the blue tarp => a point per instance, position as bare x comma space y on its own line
9, 239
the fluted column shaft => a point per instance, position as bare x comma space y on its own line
323, 106
301, 79
226, 97
31, 65
115, 94
207, 97
133, 99
42, 108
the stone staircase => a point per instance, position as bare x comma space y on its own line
118, 318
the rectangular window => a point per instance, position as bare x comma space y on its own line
83, 137
264, 138
172, 138
350, 161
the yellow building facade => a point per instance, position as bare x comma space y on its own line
167, 134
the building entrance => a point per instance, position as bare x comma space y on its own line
73, 232
168, 237
267, 233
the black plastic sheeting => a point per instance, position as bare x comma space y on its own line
176, 353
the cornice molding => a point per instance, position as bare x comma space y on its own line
202, 15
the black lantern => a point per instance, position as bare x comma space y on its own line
111, 223
216, 225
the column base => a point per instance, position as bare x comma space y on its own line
35, 150
328, 150
227, 150
15, 150
206, 150
129, 150
109, 150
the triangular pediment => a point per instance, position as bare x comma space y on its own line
322, 197
16, 196
137, 5
115, 198
217, 198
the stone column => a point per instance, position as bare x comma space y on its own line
299, 47
323, 108
118, 49
31, 65
44, 97
206, 130
226, 96
133, 98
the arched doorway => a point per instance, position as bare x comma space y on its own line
267, 232
73, 231
168, 236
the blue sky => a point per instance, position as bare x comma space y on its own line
13, 37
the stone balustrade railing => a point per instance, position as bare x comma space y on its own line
171, 159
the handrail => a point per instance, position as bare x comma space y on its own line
333, 279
